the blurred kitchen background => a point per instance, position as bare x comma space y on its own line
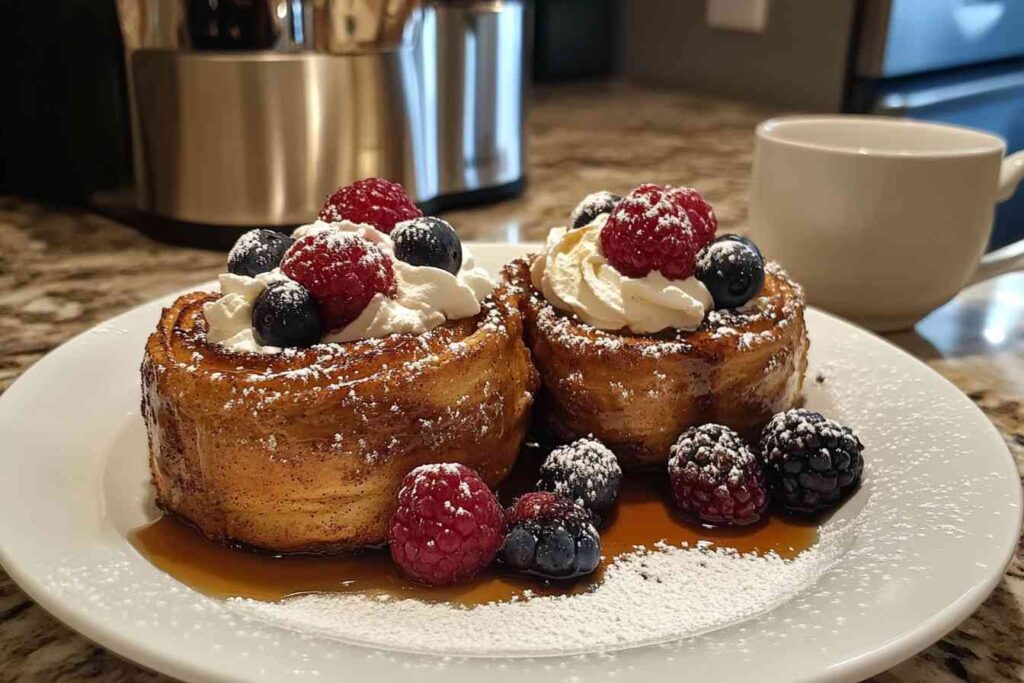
199, 114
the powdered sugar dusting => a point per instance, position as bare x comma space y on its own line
647, 596
698, 455
760, 322
291, 292
729, 249
260, 388
592, 206
424, 476
663, 593
246, 243
581, 470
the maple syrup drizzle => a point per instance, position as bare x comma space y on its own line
644, 515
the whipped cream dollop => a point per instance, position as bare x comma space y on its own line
229, 318
573, 275
425, 297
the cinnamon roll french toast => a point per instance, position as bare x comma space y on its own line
284, 412
634, 347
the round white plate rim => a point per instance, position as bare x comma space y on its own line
866, 664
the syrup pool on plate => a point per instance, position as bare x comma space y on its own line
643, 517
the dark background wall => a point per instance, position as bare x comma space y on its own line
575, 39
63, 128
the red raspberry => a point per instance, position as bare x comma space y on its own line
649, 230
448, 525
716, 477
375, 201
342, 271
702, 216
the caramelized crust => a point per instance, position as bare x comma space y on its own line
304, 451
637, 393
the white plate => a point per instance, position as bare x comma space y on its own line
939, 518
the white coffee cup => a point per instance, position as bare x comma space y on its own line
881, 220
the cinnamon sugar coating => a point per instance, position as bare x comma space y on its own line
304, 450
637, 393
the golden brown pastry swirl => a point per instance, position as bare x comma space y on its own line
304, 450
637, 393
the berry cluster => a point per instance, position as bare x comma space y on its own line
446, 528
806, 463
671, 231
449, 525
342, 271
334, 274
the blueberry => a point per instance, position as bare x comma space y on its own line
732, 269
286, 314
553, 549
588, 554
550, 536
428, 241
592, 206
520, 548
258, 251
743, 240
556, 552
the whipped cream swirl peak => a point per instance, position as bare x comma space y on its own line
573, 275
425, 297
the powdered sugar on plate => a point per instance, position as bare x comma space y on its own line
648, 596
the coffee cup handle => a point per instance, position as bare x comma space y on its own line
1011, 257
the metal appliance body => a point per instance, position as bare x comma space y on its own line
429, 95
949, 61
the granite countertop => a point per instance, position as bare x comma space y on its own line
63, 270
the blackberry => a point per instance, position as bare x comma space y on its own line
811, 462
550, 536
716, 477
584, 471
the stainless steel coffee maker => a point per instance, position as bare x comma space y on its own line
249, 112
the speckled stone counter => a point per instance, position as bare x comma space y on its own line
64, 270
